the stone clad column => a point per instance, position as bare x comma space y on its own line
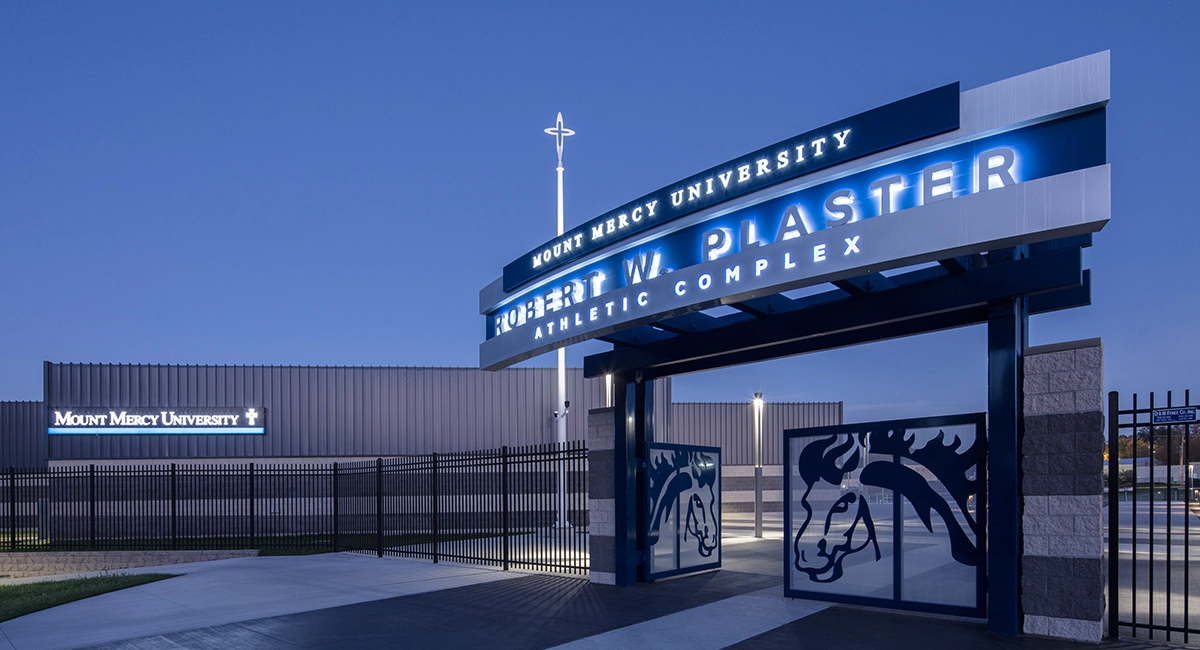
602, 541
1062, 571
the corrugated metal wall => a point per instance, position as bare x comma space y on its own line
366, 412
22, 434
325, 411
730, 426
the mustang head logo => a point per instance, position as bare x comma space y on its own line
825, 539
691, 475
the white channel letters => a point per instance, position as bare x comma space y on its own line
731, 178
168, 418
541, 307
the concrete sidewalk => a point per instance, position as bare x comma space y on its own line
362, 602
229, 591
182, 568
742, 609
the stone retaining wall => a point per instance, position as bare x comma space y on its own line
28, 565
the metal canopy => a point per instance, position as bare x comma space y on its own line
861, 310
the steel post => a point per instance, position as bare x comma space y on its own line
1006, 334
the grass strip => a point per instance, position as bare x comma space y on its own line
19, 600
267, 545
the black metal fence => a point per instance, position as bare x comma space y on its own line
1152, 500
523, 507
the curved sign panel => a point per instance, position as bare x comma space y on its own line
908, 120
991, 187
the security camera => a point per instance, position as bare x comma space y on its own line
567, 403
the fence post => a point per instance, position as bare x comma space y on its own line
1114, 493
12, 508
251, 505
504, 492
174, 512
335, 507
92, 506
435, 508
379, 506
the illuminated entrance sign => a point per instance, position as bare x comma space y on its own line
935, 231
1023, 167
982, 225
910, 119
168, 420
982, 165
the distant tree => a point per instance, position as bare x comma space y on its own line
1168, 444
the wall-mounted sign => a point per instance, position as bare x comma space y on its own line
914, 118
160, 420
1180, 415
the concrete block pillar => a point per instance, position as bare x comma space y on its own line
602, 543
1062, 570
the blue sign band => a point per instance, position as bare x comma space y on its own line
908, 120
153, 430
1174, 415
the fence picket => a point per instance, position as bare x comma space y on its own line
495, 507
1147, 603
12, 508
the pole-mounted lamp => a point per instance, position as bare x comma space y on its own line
758, 465
561, 132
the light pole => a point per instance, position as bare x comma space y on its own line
560, 133
758, 474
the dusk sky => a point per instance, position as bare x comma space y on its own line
333, 183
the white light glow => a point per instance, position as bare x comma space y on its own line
794, 218
560, 133
718, 241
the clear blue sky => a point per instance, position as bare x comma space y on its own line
332, 183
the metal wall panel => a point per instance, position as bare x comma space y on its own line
323, 411
368, 411
22, 434
730, 426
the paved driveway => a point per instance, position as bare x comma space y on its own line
229, 591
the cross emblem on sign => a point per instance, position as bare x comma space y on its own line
559, 132
251, 416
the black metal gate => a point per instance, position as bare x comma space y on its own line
1152, 501
889, 514
683, 509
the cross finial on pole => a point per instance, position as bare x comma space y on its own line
560, 133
